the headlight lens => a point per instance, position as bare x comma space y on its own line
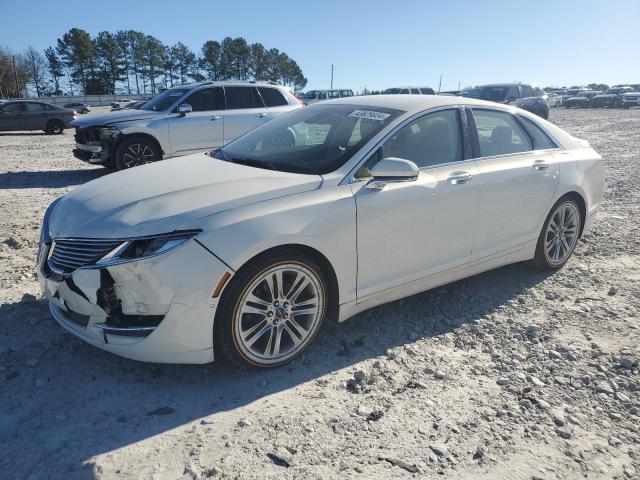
44, 231
139, 248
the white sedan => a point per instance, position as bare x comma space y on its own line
317, 215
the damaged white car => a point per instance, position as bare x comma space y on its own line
319, 214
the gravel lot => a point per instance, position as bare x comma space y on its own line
510, 374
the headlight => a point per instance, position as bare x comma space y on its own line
109, 131
145, 247
45, 238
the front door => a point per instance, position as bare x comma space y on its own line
410, 230
203, 127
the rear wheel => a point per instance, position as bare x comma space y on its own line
559, 235
135, 151
54, 127
271, 310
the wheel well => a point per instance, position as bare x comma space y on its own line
322, 261
581, 204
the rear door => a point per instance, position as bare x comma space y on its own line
203, 127
518, 178
36, 115
245, 111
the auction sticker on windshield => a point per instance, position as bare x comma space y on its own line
369, 115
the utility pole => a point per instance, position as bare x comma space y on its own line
15, 75
458, 85
332, 76
440, 84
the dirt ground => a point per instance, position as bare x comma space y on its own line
512, 374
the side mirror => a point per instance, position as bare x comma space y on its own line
184, 108
511, 99
391, 170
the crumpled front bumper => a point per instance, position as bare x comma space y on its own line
158, 309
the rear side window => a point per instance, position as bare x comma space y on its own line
415, 91
243, 97
541, 140
499, 133
346, 93
433, 139
334, 94
206, 100
35, 107
427, 91
272, 97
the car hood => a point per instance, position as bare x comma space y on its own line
115, 117
162, 197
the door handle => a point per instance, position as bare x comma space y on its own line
213, 118
262, 115
457, 178
540, 165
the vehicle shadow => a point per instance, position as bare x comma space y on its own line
50, 179
92, 402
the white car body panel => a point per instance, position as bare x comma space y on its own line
382, 244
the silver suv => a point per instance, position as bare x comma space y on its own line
191, 118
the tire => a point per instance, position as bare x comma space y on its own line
84, 111
556, 245
135, 151
245, 336
54, 127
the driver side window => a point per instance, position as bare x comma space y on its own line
432, 139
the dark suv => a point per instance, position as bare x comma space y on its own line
30, 115
521, 95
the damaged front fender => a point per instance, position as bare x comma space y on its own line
158, 309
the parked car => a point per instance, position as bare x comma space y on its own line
554, 99
631, 99
118, 103
521, 95
313, 96
191, 118
611, 98
581, 100
33, 115
409, 91
317, 215
78, 107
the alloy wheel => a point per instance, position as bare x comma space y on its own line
561, 234
279, 313
137, 154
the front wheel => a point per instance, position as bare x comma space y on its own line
559, 235
271, 310
135, 151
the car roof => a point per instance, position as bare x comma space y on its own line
506, 85
260, 83
408, 103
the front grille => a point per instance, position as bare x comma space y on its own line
69, 255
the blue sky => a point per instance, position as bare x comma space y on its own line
377, 44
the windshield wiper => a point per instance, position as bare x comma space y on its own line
254, 163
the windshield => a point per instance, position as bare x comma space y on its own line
313, 140
488, 93
310, 95
165, 99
